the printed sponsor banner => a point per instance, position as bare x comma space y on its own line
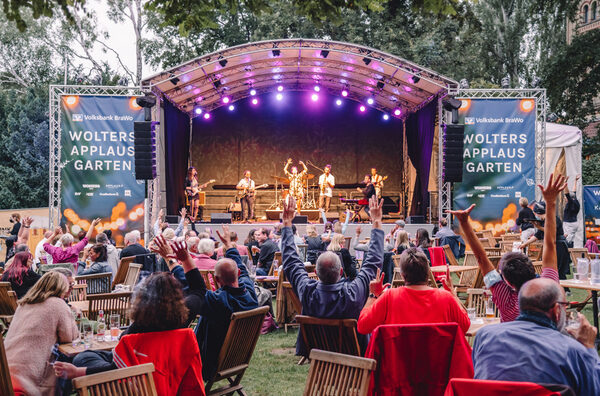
97, 158
499, 160
591, 211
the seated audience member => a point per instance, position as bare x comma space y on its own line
40, 255
41, 320
336, 226
97, 262
314, 243
20, 275
201, 253
20, 248
251, 241
423, 242
236, 293
445, 230
533, 348
108, 234
267, 249
142, 255
455, 242
112, 255
331, 296
514, 268
402, 242
242, 249
337, 246
527, 229
416, 302
68, 253
297, 239
157, 306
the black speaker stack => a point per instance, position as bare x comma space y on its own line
145, 150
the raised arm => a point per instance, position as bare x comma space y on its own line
304, 166
24, 230
292, 265
553, 188
179, 229
485, 265
90, 230
287, 164
345, 225
48, 247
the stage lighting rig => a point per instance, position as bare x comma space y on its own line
464, 84
276, 53
174, 80
223, 62
324, 53
452, 104
367, 60
148, 101
505, 82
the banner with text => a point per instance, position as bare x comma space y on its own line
591, 211
499, 160
97, 159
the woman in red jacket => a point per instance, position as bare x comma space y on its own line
414, 303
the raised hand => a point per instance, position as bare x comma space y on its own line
358, 230
161, 246
553, 188
585, 333
58, 230
181, 252
376, 286
27, 221
95, 222
447, 281
462, 215
161, 213
289, 211
375, 209
226, 238
183, 212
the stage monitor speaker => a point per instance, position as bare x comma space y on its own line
454, 137
220, 218
299, 219
416, 220
172, 219
144, 146
273, 214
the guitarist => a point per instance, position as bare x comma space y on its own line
377, 181
247, 188
326, 184
192, 189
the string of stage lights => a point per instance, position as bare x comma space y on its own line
314, 97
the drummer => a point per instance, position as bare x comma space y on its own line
296, 179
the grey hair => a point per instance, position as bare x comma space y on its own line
192, 244
137, 234
66, 239
206, 246
130, 237
539, 294
65, 271
102, 238
329, 267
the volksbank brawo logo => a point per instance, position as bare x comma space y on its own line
469, 120
77, 117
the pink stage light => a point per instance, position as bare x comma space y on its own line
252, 92
279, 96
255, 101
397, 112
338, 102
226, 99
362, 108
206, 116
280, 88
344, 93
198, 110
317, 88
314, 97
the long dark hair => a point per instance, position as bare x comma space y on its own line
101, 251
189, 171
250, 238
18, 268
423, 238
158, 303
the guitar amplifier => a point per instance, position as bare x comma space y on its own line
202, 197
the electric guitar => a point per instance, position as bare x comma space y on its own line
249, 192
191, 191
379, 184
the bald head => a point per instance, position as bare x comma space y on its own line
329, 268
540, 295
226, 271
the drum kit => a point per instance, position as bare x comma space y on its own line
308, 192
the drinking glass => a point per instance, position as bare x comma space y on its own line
114, 326
595, 271
472, 312
582, 269
87, 334
572, 319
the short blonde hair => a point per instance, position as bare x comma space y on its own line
337, 243
169, 234
52, 284
311, 230
524, 202
66, 240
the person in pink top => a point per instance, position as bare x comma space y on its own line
68, 252
201, 251
242, 249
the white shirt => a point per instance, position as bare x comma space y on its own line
244, 183
40, 252
327, 191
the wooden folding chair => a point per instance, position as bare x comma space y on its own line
96, 283
537, 266
6, 387
207, 275
489, 234
110, 303
506, 246
133, 274
128, 381
493, 251
276, 259
337, 374
470, 258
485, 242
237, 351
466, 280
534, 251
79, 292
122, 271
397, 279
8, 303
476, 299
449, 255
431, 282
577, 253
511, 237
334, 335
347, 241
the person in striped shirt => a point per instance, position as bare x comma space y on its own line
515, 268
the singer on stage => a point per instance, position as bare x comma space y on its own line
326, 184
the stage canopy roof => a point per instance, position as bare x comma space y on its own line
299, 64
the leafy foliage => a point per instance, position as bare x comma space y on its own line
590, 169
13, 9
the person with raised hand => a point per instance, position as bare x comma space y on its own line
68, 253
331, 296
515, 268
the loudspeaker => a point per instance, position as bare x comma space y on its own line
454, 138
172, 219
220, 218
416, 220
299, 219
144, 144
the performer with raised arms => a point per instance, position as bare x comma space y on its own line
296, 180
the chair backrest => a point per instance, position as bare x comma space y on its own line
493, 251
6, 387
489, 234
110, 303
96, 283
128, 381
276, 258
449, 255
209, 279
506, 246
431, 282
535, 250
467, 278
334, 335
397, 279
511, 237
242, 335
470, 258
476, 299
79, 292
537, 265
337, 374
8, 299
578, 253
468, 387
347, 241
42, 269
485, 242
133, 274
122, 270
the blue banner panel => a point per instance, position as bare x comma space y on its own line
591, 211
97, 158
499, 160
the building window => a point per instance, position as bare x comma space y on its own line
585, 13
594, 7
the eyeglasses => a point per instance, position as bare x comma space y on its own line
563, 303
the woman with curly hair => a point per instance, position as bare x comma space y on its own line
20, 275
157, 335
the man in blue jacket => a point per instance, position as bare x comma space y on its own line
331, 296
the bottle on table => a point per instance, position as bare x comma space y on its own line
101, 326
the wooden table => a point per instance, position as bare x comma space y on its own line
594, 288
71, 351
454, 268
82, 306
475, 327
263, 279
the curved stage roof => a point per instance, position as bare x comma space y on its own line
300, 64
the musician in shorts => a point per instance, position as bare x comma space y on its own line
192, 190
247, 187
326, 184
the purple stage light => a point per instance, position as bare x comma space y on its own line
370, 101
317, 88
231, 107
279, 96
198, 110
338, 102
226, 99
255, 101
314, 97
344, 93
386, 117
252, 92
362, 108
397, 112
206, 116
280, 88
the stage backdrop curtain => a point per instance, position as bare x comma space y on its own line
420, 131
177, 147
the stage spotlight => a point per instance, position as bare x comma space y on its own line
338, 102
397, 112
324, 53
198, 110
276, 53
226, 99
505, 82
217, 84
280, 88
254, 101
536, 82
362, 108
206, 116
314, 97
223, 62
386, 117
231, 107
367, 61
344, 93
279, 96
317, 88
370, 101
415, 79
452, 104
252, 92
174, 80
380, 84
464, 84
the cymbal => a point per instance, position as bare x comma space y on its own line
280, 179
309, 176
